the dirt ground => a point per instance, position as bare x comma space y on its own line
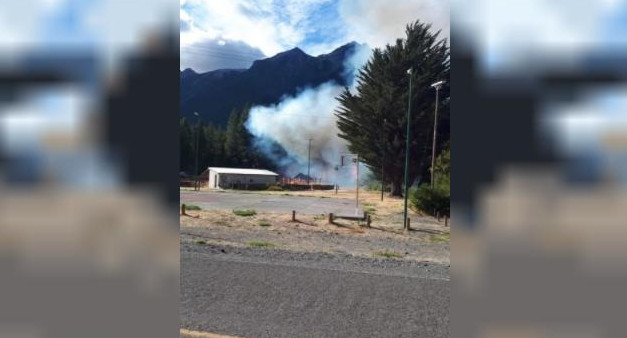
386, 214
313, 233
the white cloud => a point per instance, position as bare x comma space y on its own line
206, 55
379, 22
516, 33
273, 26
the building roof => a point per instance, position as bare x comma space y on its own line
240, 171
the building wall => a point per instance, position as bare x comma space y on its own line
214, 180
226, 181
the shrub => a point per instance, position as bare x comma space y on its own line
265, 224
274, 188
245, 212
387, 254
200, 242
431, 200
256, 244
192, 207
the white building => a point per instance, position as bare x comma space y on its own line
227, 178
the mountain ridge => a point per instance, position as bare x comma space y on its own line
216, 93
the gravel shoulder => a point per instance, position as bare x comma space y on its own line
317, 260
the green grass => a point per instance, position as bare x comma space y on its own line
192, 207
369, 208
200, 242
320, 217
265, 223
257, 244
387, 254
441, 238
245, 212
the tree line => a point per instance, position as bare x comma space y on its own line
219, 147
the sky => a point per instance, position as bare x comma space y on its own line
217, 34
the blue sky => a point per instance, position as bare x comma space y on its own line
231, 34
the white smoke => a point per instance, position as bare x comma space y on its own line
308, 115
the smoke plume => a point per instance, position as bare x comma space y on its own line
310, 115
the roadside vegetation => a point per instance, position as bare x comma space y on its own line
436, 200
441, 238
245, 212
264, 223
263, 245
387, 254
192, 207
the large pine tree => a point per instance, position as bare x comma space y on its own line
374, 119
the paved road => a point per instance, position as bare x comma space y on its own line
273, 203
255, 299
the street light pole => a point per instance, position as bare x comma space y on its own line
409, 71
197, 183
308, 160
437, 87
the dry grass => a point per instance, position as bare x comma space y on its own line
309, 233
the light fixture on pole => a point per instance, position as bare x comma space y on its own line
409, 72
437, 87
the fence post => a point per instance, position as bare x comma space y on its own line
330, 218
183, 209
368, 221
408, 225
293, 215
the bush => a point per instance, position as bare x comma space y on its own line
265, 224
245, 212
274, 188
257, 244
192, 207
431, 201
387, 254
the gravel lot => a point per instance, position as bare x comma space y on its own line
269, 202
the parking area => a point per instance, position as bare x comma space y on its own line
270, 203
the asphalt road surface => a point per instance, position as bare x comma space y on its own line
264, 299
272, 203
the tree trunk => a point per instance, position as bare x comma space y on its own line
397, 188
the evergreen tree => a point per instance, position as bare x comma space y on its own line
374, 119
186, 147
232, 140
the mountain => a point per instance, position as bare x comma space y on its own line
214, 94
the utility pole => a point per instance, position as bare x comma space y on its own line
356, 161
196, 181
409, 71
382, 158
437, 87
308, 160
357, 184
